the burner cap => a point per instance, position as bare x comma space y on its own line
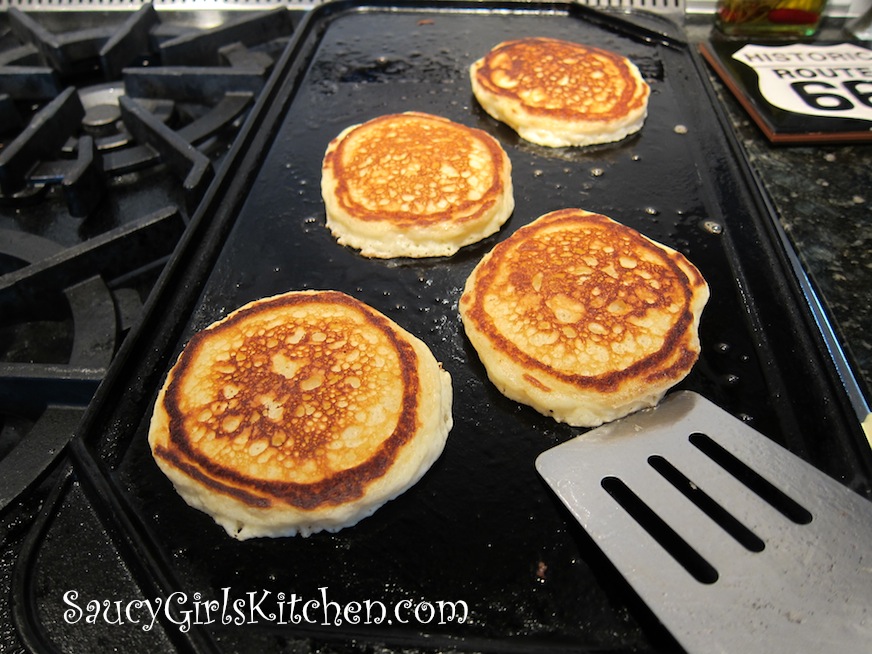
101, 116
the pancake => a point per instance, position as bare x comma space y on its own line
414, 185
557, 93
582, 318
298, 413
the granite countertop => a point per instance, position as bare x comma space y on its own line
823, 197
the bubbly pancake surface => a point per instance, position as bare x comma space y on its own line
414, 185
558, 93
583, 318
301, 412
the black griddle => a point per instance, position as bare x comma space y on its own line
481, 527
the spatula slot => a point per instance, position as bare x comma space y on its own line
660, 531
776, 498
744, 536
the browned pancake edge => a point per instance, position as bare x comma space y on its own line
546, 77
338, 488
524, 255
392, 169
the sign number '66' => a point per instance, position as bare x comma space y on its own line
834, 99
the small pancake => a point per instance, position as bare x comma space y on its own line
558, 93
414, 185
582, 318
298, 413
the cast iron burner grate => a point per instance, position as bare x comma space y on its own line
111, 129
82, 135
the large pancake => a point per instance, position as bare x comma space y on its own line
414, 185
582, 318
299, 413
558, 93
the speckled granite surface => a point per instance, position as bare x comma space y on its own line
823, 197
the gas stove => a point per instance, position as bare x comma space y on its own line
113, 125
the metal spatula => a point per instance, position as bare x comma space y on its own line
733, 542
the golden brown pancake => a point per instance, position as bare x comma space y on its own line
414, 185
298, 413
582, 318
558, 93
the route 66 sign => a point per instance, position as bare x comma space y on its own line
833, 81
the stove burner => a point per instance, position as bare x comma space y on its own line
101, 108
111, 133
50, 395
85, 333
101, 116
154, 114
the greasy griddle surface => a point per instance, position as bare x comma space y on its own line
481, 526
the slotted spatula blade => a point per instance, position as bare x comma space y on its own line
734, 543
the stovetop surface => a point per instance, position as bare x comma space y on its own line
98, 180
